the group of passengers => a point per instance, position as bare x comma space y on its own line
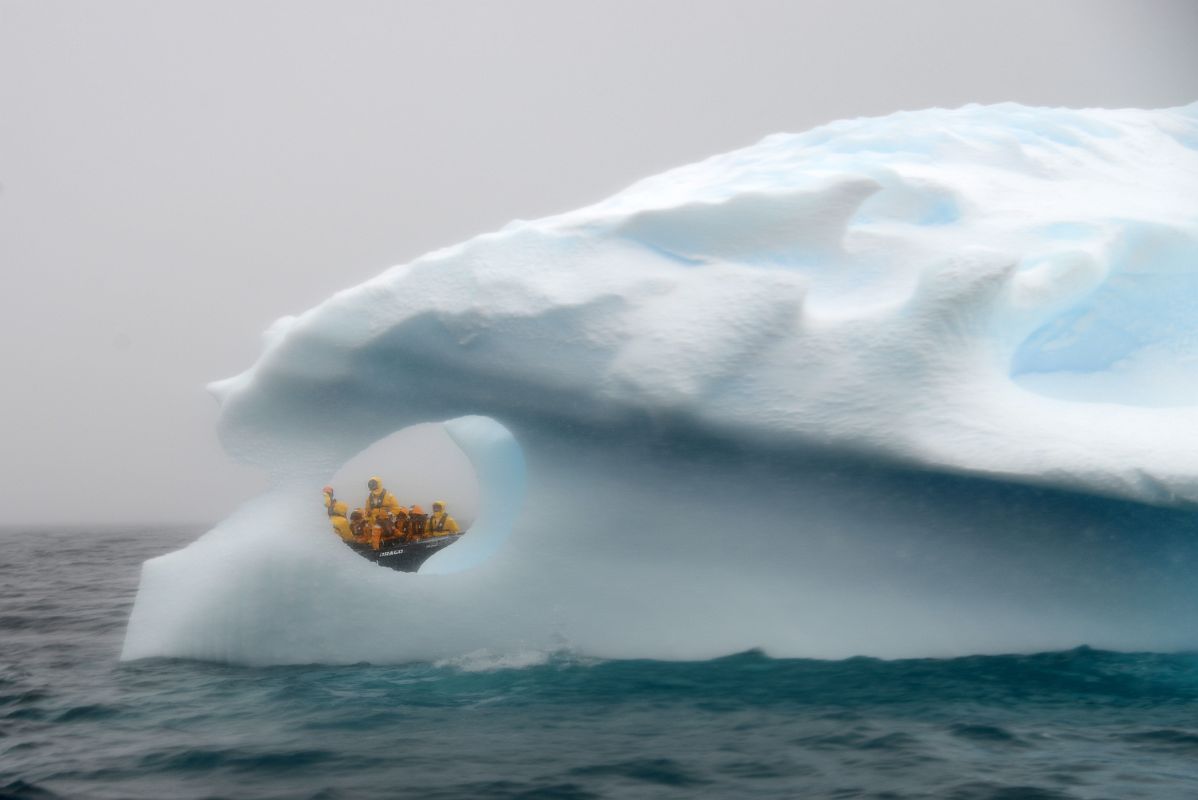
383, 517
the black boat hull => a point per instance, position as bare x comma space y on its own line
404, 556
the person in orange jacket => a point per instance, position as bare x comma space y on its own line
415, 522
357, 525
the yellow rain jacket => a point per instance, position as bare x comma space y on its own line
337, 515
440, 523
380, 503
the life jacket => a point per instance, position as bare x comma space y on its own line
436, 524
376, 502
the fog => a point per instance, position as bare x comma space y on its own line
175, 176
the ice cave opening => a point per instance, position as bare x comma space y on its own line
473, 463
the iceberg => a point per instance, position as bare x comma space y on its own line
917, 385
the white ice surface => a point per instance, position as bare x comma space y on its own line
1002, 292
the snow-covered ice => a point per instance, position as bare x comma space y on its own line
897, 386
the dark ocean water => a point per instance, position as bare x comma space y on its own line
75, 722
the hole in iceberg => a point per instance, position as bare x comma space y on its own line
474, 464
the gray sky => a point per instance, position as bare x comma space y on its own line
176, 175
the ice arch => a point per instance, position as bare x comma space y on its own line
272, 585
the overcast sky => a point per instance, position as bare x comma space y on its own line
176, 175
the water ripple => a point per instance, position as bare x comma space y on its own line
1082, 724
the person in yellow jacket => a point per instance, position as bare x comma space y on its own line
381, 505
439, 522
337, 511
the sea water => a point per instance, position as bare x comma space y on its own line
77, 723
